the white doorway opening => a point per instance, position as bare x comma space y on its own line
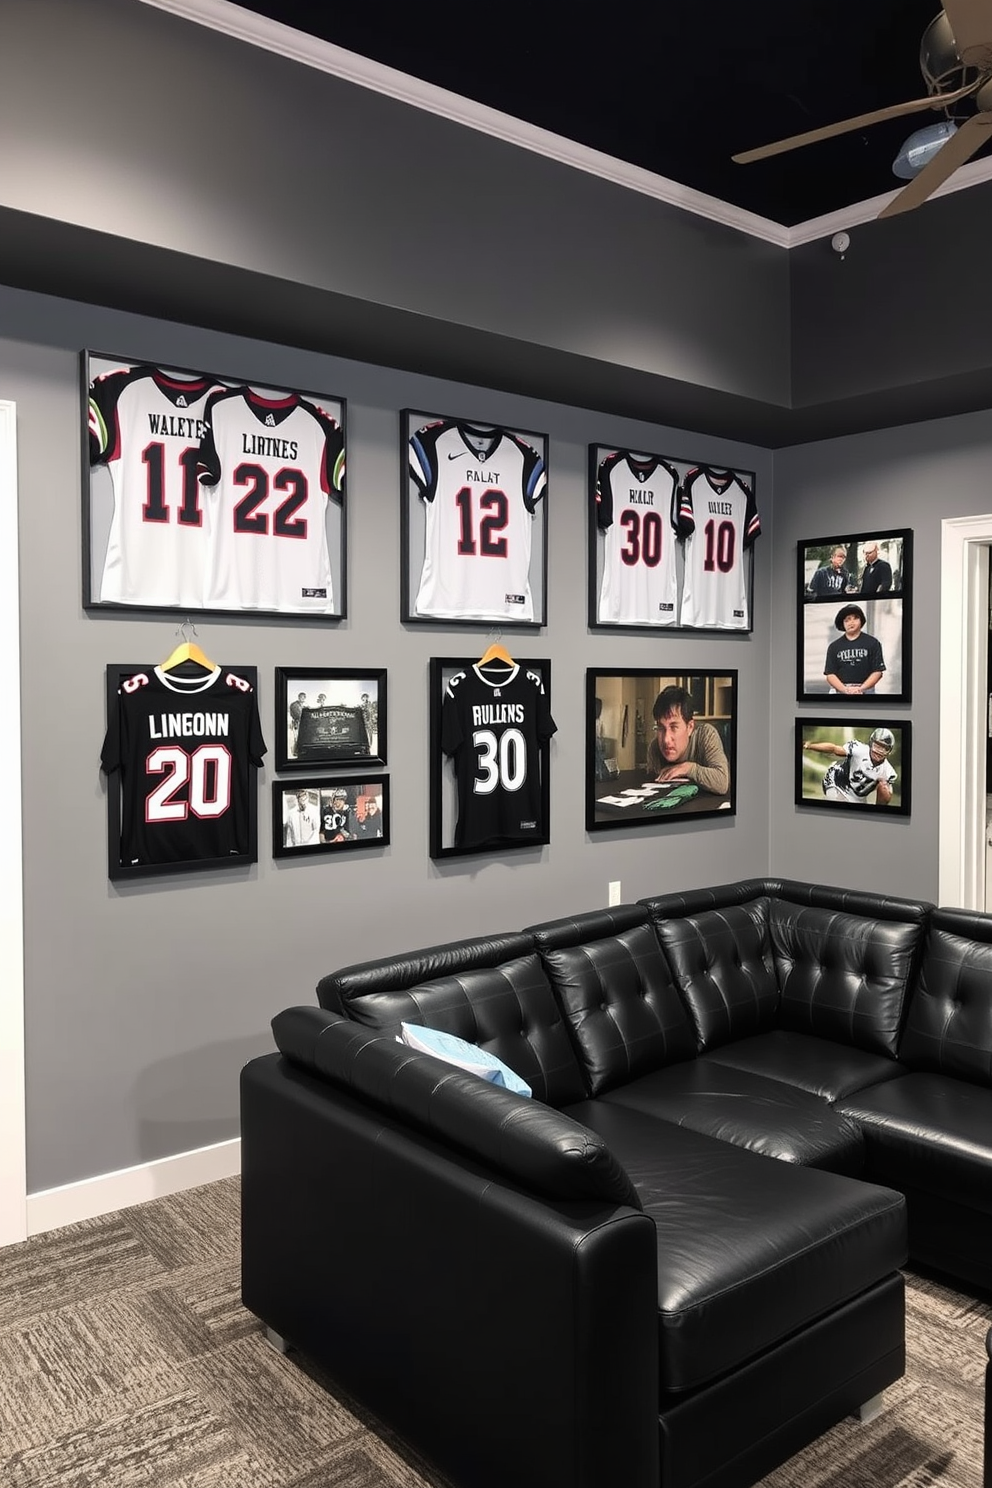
964, 642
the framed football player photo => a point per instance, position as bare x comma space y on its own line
854, 612
325, 816
854, 764
671, 543
181, 756
490, 733
661, 747
329, 716
473, 522
204, 493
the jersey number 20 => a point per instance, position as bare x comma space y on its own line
207, 772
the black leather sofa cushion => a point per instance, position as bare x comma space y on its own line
929, 1132
749, 1250
818, 1065
341, 989
723, 969
764, 1116
611, 979
842, 976
508, 1009
538, 1148
949, 1023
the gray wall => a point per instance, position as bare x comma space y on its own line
143, 1000
913, 476
152, 130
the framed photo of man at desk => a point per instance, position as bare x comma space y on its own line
660, 746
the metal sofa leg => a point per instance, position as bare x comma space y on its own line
280, 1344
869, 1409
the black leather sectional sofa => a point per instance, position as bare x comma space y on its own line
680, 1261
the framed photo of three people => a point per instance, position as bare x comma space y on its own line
854, 617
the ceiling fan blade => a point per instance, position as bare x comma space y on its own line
971, 22
860, 121
959, 148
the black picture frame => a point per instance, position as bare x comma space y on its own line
812, 765
350, 835
327, 717
621, 791
119, 871
135, 464
508, 528
827, 590
637, 560
443, 784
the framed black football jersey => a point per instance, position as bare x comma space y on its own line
181, 756
491, 728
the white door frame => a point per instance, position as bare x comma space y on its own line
963, 720
13, 1168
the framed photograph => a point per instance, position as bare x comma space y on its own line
323, 816
181, 758
851, 764
473, 522
854, 612
330, 716
490, 733
660, 746
670, 543
201, 493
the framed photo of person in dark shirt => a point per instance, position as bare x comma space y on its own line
853, 611
660, 746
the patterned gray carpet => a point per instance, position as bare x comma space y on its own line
127, 1361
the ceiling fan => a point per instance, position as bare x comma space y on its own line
956, 62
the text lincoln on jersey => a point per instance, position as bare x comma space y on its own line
188, 725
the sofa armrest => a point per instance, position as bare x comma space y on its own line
509, 1339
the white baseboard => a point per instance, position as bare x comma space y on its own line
53, 1207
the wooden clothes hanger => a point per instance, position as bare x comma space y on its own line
496, 652
187, 651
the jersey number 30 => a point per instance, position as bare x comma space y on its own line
501, 762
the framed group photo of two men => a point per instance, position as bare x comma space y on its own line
854, 599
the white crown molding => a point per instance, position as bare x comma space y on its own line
297, 46
273, 36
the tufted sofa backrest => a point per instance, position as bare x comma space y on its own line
949, 1022
611, 979
342, 991
844, 976
776, 953
722, 965
493, 993
536, 1148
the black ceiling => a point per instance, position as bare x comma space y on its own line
673, 88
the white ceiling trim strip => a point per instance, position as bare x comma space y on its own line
297, 46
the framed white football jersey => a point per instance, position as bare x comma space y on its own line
719, 519
636, 515
145, 426
269, 465
480, 488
